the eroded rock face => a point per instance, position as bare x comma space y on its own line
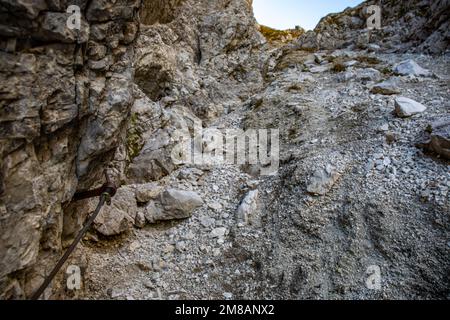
65, 99
195, 61
72, 102
419, 26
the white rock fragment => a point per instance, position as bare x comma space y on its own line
218, 232
320, 69
248, 208
405, 107
410, 67
322, 180
173, 204
228, 295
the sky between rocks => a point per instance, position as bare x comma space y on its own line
286, 14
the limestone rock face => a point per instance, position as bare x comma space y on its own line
419, 26
138, 77
194, 63
65, 99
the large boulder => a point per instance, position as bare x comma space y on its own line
173, 205
411, 68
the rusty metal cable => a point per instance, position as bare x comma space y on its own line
69, 251
108, 190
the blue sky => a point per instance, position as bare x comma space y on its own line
286, 14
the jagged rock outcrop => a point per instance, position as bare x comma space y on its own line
65, 98
419, 26
192, 67
137, 77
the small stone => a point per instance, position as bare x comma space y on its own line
378, 156
350, 63
181, 246
157, 264
440, 138
322, 180
372, 47
168, 249
189, 236
390, 137
149, 285
228, 295
143, 266
318, 58
369, 166
216, 206
388, 87
248, 207
384, 127
207, 221
218, 232
405, 107
114, 293
134, 245
368, 74
320, 69
139, 221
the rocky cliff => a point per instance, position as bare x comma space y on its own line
415, 26
364, 141
66, 96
